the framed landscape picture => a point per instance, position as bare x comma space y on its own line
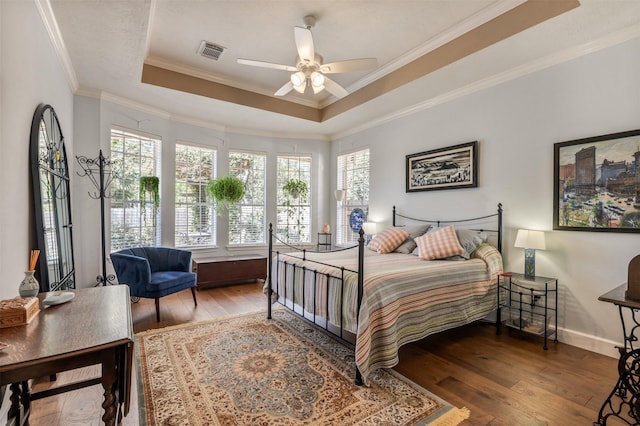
597, 183
444, 168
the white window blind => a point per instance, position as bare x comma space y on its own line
353, 177
247, 219
132, 223
195, 217
293, 213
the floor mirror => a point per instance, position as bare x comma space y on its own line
52, 201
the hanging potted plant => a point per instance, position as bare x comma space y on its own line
226, 191
149, 193
296, 188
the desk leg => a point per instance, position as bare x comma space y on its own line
14, 410
109, 378
20, 403
623, 402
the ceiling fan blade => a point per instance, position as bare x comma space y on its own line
284, 89
334, 88
266, 65
304, 43
351, 65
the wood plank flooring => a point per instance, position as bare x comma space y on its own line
504, 380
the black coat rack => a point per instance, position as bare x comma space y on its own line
99, 170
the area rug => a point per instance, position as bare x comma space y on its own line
247, 370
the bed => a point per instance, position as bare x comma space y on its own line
379, 300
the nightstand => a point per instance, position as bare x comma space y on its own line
324, 241
529, 304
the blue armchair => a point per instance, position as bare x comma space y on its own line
154, 272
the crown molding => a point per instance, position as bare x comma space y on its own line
474, 21
147, 109
194, 72
51, 25
610, 40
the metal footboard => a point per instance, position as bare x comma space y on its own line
287, 289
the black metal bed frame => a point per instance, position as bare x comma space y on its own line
301, 254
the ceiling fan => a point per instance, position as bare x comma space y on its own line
309, 69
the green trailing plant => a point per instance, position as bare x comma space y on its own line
149, 193
226, 191
296, 188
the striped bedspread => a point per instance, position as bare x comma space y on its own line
405, 299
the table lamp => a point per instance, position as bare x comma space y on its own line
530, 241
369, 228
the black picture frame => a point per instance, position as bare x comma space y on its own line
597, 183
451, 167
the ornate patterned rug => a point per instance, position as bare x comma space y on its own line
247, 370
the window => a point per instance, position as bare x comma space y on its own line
353, 177
293, 212
247, 218
134, 219
194, 215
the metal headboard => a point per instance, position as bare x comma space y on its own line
494, 222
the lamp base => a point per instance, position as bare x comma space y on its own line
529, 263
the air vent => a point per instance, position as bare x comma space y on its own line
210, 50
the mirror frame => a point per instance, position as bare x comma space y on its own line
52, 201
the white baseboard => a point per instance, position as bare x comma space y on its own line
588, 342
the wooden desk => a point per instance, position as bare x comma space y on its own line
93, 328
622, 402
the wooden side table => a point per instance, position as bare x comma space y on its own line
93, 328
624, 400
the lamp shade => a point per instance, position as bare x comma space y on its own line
298, 78
317, 79
370, 228
530, 239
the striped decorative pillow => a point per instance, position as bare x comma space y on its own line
439, 244
388, 240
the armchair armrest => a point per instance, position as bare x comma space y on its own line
131, 270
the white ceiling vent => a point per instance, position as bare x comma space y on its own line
210, 50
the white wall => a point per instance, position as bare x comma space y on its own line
517, 124
30, 73
94, 120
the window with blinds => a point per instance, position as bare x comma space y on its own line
353, 178
195, 217
293, 211
247, 219
135, 220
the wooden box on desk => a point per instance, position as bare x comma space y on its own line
18, 311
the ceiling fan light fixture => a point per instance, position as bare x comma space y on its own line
309, 69
317, 79
300, 89
298, 79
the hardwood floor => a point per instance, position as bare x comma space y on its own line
503, 380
